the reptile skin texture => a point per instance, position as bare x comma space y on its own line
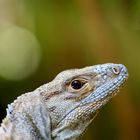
63, 108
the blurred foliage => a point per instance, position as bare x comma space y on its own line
40, 38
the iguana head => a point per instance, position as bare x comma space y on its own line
76, 96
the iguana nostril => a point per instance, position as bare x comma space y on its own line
116, 70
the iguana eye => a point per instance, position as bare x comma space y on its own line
76, 84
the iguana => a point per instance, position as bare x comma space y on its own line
63, 108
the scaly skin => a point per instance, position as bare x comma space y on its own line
63, 108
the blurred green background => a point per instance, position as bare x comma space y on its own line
40, 38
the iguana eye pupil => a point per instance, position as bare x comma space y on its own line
76, 84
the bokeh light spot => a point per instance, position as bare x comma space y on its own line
20, 53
